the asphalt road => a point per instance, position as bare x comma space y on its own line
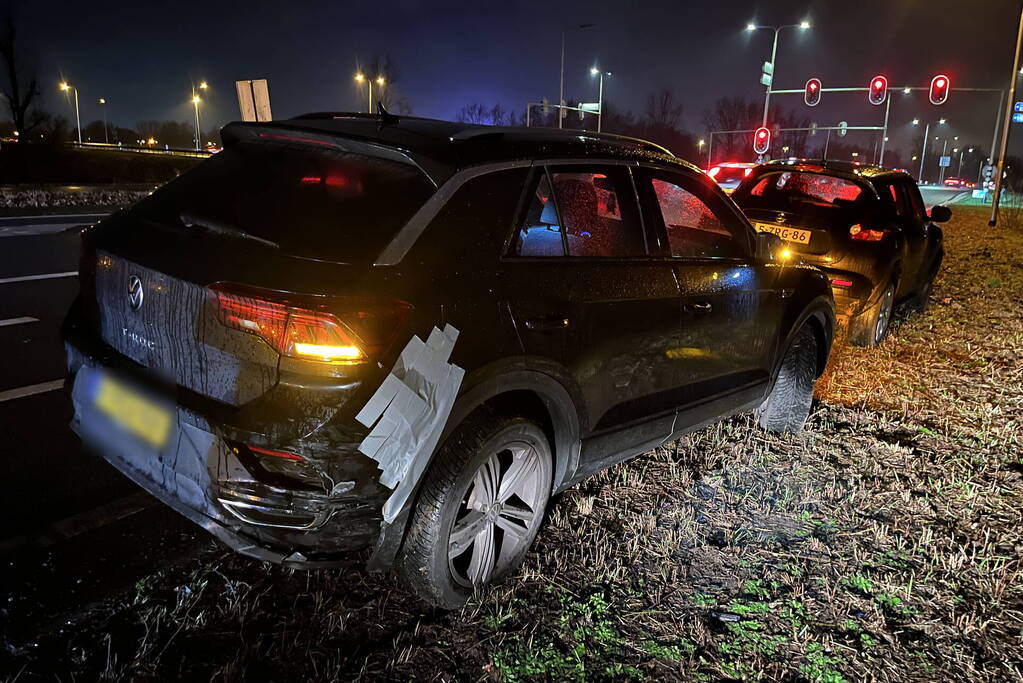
75, 528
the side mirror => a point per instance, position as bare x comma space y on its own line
940, 214
768, 245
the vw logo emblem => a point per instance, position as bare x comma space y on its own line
780, 219
135, 292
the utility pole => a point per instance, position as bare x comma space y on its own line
1005, 125
923, 151
944, 151
884, 133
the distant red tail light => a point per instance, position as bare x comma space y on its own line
842, 283
345, 331
861, 234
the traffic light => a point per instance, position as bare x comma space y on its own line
878, 90
812, 93
761, 141
939, 89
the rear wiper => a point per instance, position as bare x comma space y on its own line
217, 228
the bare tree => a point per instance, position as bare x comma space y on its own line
663, 110
476, 112
20, 86
732, 113
389, 94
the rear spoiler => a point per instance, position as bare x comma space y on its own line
282, 134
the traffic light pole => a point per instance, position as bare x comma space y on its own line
884, 133
1005, 126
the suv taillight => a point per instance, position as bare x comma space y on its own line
859, 233
344, 331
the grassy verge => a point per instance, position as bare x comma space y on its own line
884, 543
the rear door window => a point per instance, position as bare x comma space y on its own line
696, 220
582, 212
313, 202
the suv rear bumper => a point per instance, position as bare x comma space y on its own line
198, 473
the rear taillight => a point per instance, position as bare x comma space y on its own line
714, 172
745, 174
343, 331
858, 232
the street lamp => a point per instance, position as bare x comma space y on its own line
106, 138
600, 94
360, 78
561, 86
198, 131
923, 150
802, 26
65, 86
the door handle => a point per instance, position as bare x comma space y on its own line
547, 323
700, 307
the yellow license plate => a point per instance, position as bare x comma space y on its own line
141, 417
786, 233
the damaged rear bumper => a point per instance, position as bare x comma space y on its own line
198, 470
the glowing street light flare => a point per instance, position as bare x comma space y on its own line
65, 86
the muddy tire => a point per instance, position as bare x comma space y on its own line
870, 327
479, 509
788, 405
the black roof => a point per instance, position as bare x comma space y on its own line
846, 169
443, 147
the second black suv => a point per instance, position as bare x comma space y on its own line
348, 330
865, 226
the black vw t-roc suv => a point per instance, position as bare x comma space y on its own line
351, 330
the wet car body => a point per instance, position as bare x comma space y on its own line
817, 227
262, 448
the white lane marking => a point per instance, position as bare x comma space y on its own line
18, 321
45, 276
30, 390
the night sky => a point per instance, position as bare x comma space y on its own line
144, 57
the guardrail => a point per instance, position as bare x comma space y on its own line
141, 149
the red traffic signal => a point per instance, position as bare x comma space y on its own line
939, 89
878, 90
761, 141
812, 92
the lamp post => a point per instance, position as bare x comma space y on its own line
360, 78
600, 94
802, 26
923, 150
561, 87
106, 137
65, 86
198, 131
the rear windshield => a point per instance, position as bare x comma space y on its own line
789, 189
327, 204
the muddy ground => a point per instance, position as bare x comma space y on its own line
884, 543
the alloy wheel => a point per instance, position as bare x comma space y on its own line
498, 515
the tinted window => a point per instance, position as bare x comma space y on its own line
582, 213
777, 189
692, 228
916, 202
313, 202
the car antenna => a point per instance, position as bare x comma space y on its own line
386, 117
